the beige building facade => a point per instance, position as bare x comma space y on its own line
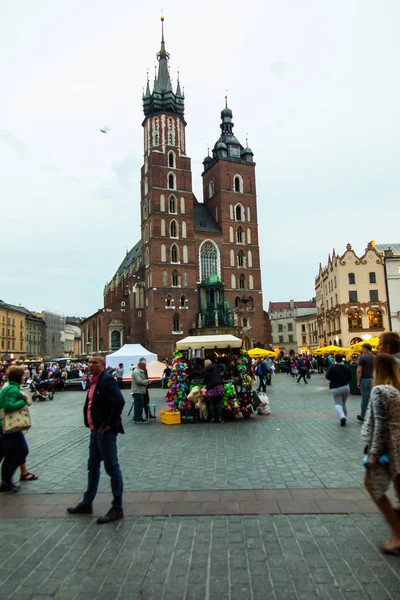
392, 269
283, 317
307, 333
351, 297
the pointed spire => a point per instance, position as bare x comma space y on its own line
148, 85
178, 87
164, 81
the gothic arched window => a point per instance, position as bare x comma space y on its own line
175, 279
172, 205
240, 236
173, 229
168, 301
242, 282
209, 260
174, 253
171, 159
241, 259
171, 181
238, 184
237, 302
183, 302
176, 323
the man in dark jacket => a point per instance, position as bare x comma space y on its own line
102, 415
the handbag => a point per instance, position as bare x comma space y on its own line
18, 420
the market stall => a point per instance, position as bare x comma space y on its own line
186, 393
129, 355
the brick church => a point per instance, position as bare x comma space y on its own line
196, 269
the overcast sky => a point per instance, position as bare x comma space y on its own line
314, 84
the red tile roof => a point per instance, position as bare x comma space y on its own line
297, 304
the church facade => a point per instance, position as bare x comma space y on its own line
196, 269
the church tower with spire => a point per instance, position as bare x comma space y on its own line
229, 190
167, 201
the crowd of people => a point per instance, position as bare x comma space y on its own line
378, 378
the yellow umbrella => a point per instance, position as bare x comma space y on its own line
260, 353
330, 350
356, 348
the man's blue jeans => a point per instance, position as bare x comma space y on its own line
138, 407
103, 448
366, 387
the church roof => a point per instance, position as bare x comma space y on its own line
203, 221
130, 257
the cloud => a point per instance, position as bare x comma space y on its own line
7, 138
280, 67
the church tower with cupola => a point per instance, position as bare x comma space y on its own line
229, 189
167, 232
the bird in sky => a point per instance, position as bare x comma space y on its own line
104, 129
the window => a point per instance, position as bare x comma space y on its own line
185, 254
303, 328
231, 235
162, 225
290, 338
171, 160
173, 229
162, 203
245, 322
354, 319
240, 237
170, 131
169, 301
280, 327
281, 339
183, 302
375, 319
237, 302
174, 253
171, 181
147, 257
175, 279
163, 253
248, 235
231, 212
239, 212
165, 278
211, 189
248, 214
209, 260
238, 184
233, 282
241, 259
242, 282
352, 278
185, 279
373, 295
290, 327
176, 323
172, 205
353, 297
304, 340
372, 278
251, 282
232, 257
336, 300
183, 229
335, 281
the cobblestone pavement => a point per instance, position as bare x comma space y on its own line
214, 558
298, 460
301, 445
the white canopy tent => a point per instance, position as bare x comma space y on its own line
208, 342
129, 355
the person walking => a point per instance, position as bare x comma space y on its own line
102, 415
320, 364
261, 370
13, 445
390, 344
214, 385
381, 434
364, 377
339, 377
139, 389
301, 368
119, 373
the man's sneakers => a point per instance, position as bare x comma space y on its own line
112, 515
360, 418
80, 509
343, 422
